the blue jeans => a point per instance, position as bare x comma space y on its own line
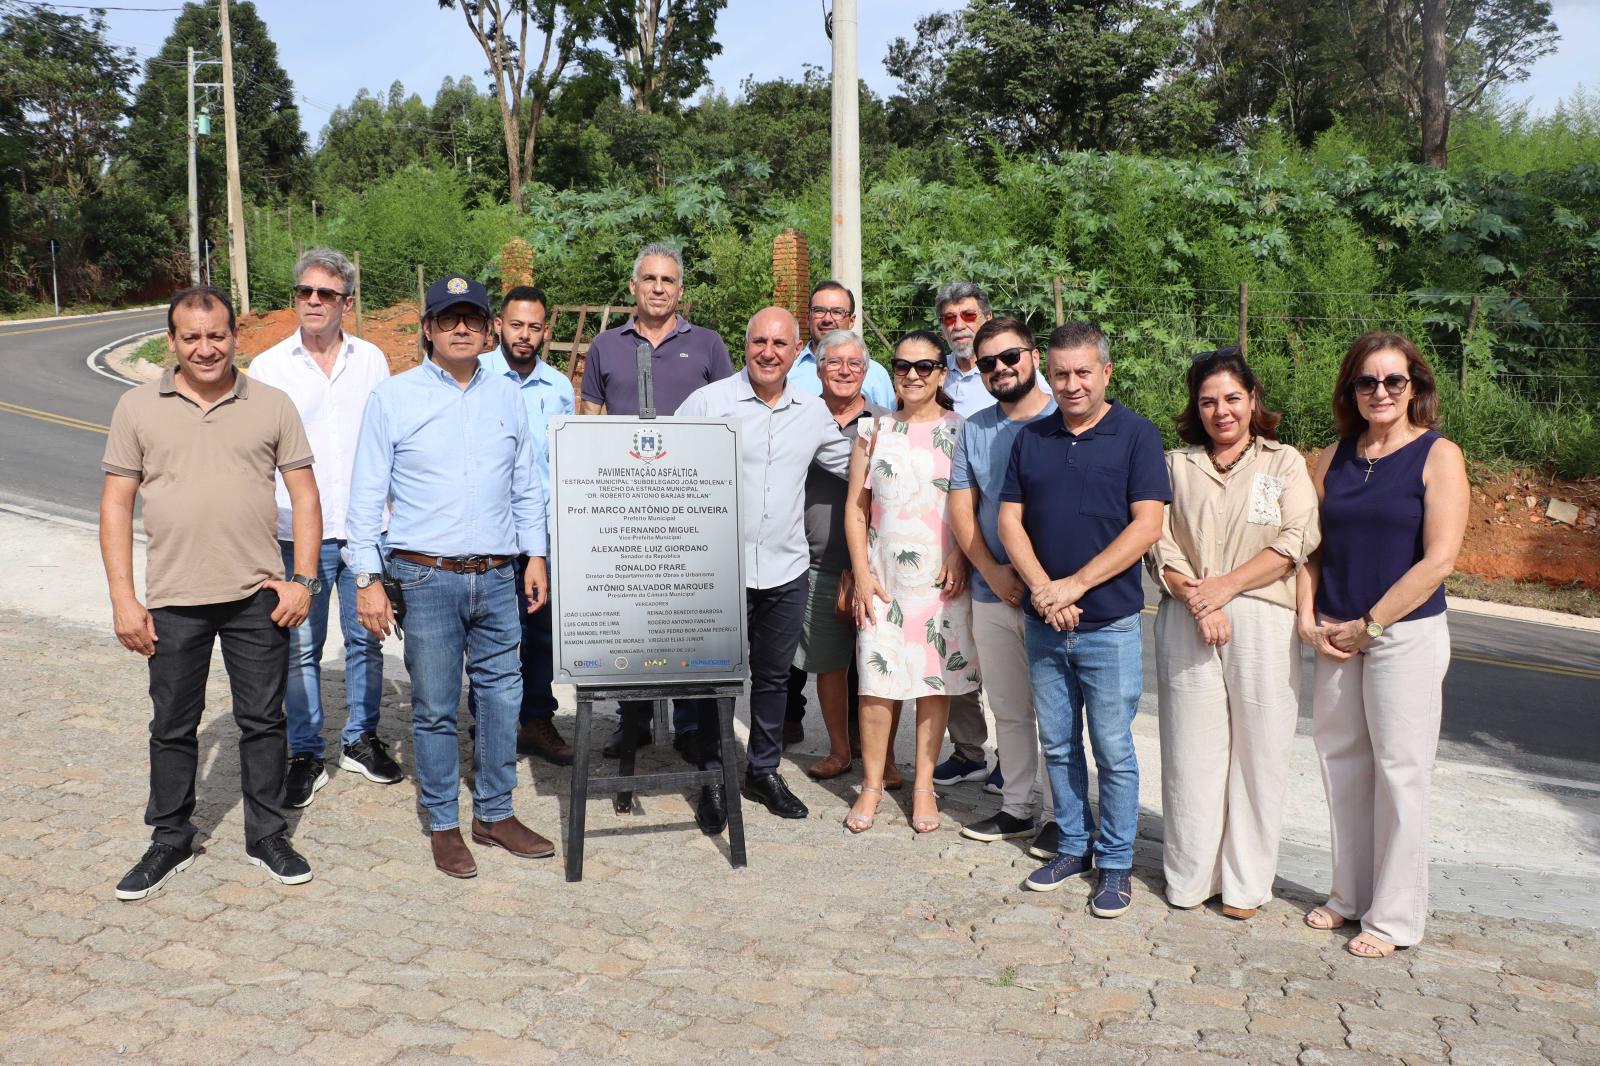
363, 659
1098, 675
451, 618
537, 658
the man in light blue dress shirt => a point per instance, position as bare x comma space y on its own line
524, 316
446, 446
782, 431
833, 307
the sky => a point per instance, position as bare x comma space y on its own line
332, 50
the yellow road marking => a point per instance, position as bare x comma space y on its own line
52, 418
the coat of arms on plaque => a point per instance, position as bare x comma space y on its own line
648, 445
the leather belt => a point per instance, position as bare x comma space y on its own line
461, 564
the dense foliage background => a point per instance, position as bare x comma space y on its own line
1155, 158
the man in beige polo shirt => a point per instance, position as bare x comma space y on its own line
201, 445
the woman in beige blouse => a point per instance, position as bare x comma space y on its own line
1243, 518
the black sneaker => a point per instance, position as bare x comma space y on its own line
282, 863
1002, 826
369, 758
1047, 845
160, 862
306, 775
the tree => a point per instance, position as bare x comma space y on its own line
501, 30
1438, 57
1054, 76
662, 47
272, 147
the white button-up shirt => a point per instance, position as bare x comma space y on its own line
777, 446
331, 406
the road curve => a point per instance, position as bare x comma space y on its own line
54, 410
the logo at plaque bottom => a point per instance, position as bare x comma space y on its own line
621, 662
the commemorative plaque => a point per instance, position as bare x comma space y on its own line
648, 582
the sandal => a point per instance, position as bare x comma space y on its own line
829, 766
892, 779
924, 825
860, 821
1324, 918
1368, 946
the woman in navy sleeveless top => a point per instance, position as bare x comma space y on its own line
1394, 503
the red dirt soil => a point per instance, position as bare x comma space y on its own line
1507, 533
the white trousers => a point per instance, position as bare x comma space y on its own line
1375, 718
1227, 723
997, 632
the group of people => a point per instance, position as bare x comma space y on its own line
964, 528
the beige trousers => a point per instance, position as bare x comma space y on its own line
997, 632
1227, 723
1375, 718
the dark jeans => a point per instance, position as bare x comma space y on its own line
255, 651
773, 618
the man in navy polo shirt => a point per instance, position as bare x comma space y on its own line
683, 358
1082, 502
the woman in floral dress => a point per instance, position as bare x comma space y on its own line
911, 603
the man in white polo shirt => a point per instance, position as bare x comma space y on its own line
329, 375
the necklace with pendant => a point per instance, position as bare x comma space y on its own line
1371, 463
1219, 468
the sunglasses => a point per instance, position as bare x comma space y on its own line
446, 321
1010, 357
305, 292
1367, 385
949, 317
923, 367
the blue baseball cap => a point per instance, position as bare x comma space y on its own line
454, 289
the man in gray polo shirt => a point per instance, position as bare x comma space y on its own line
782, 431
201, 447
683, 358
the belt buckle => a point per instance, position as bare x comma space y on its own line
473, 564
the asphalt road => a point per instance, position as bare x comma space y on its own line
1520, 696
54, 411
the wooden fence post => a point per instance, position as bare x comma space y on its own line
421, 298
1244, 319
358, 293
1472, 328
1056, 284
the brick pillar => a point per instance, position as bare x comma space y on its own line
516, 265
791, 276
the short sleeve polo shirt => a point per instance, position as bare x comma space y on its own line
688, 358
207, 482
1077, 492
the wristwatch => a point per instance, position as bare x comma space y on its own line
1374, 630
313, 584
367, 580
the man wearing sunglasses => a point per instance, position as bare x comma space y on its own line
446, 446
328, 374
1008, 361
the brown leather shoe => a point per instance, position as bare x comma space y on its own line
540, 738
512, 835
450, 853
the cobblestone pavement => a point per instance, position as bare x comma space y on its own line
885, 948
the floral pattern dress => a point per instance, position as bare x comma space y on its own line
921, 643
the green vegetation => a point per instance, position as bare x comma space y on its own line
1185, 151
1570, 599
153, 350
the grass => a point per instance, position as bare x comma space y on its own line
49, 311
1568, 599
153, 350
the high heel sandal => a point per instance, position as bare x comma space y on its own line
859, 821
924, 825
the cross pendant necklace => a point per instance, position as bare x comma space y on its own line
1370, 464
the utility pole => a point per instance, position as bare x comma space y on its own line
55, 287
846, 243
238, 261
194, 186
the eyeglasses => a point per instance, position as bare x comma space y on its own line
968, 316
855, 366
1367, 385
327, 296
831, 312
1010, 357
446, 321
923, 367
